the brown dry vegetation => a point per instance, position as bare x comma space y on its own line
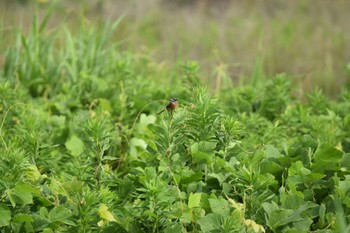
307, 39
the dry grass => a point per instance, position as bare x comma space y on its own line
308, 39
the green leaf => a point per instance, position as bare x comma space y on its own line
144, 122
43, 212
24, 192
345, 162
271, 167
219, 206
219, 176
297, 168
147, 120
22, 218
58, 121
113, 227
203, 152
33, 173
210, 222
193, 178
136, 143
326, 158
105, 105
344, 190
59, 214
270, 207
40, 223
194, 200
47, 230
75, 145
105, 213
279, 217
5, 214
272, 152
303, 225
176, 227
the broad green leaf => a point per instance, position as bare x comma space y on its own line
303, 225
43, 212
344, 190
194, 200
113, 227
144, 122
176, 227
270, 207
197, 213
147, 120
292, 201
178, 209
75, 145
279, 218
326, 157
22, 218
345, 162
136, 143
219, 176
297, 168
40, 223
210, 222
105, 214
219, 206
58, 120
186, 217
203, 152
5, 214
24, 192
47, 230
206, 146
181, 211
313, 177
59, 214
308, 142
272, 152
193, 178
268, 166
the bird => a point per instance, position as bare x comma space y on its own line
171, 106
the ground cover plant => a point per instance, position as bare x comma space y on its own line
82, 149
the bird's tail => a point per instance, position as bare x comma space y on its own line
160, 112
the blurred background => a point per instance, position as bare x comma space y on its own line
309, 40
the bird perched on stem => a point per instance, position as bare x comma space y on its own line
171, 106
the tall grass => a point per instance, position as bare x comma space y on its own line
306, 39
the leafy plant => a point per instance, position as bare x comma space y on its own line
82, 149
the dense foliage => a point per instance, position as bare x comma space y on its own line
82, 149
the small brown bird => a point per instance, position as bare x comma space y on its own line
171, 106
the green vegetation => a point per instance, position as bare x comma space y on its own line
307, 39
82, 149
